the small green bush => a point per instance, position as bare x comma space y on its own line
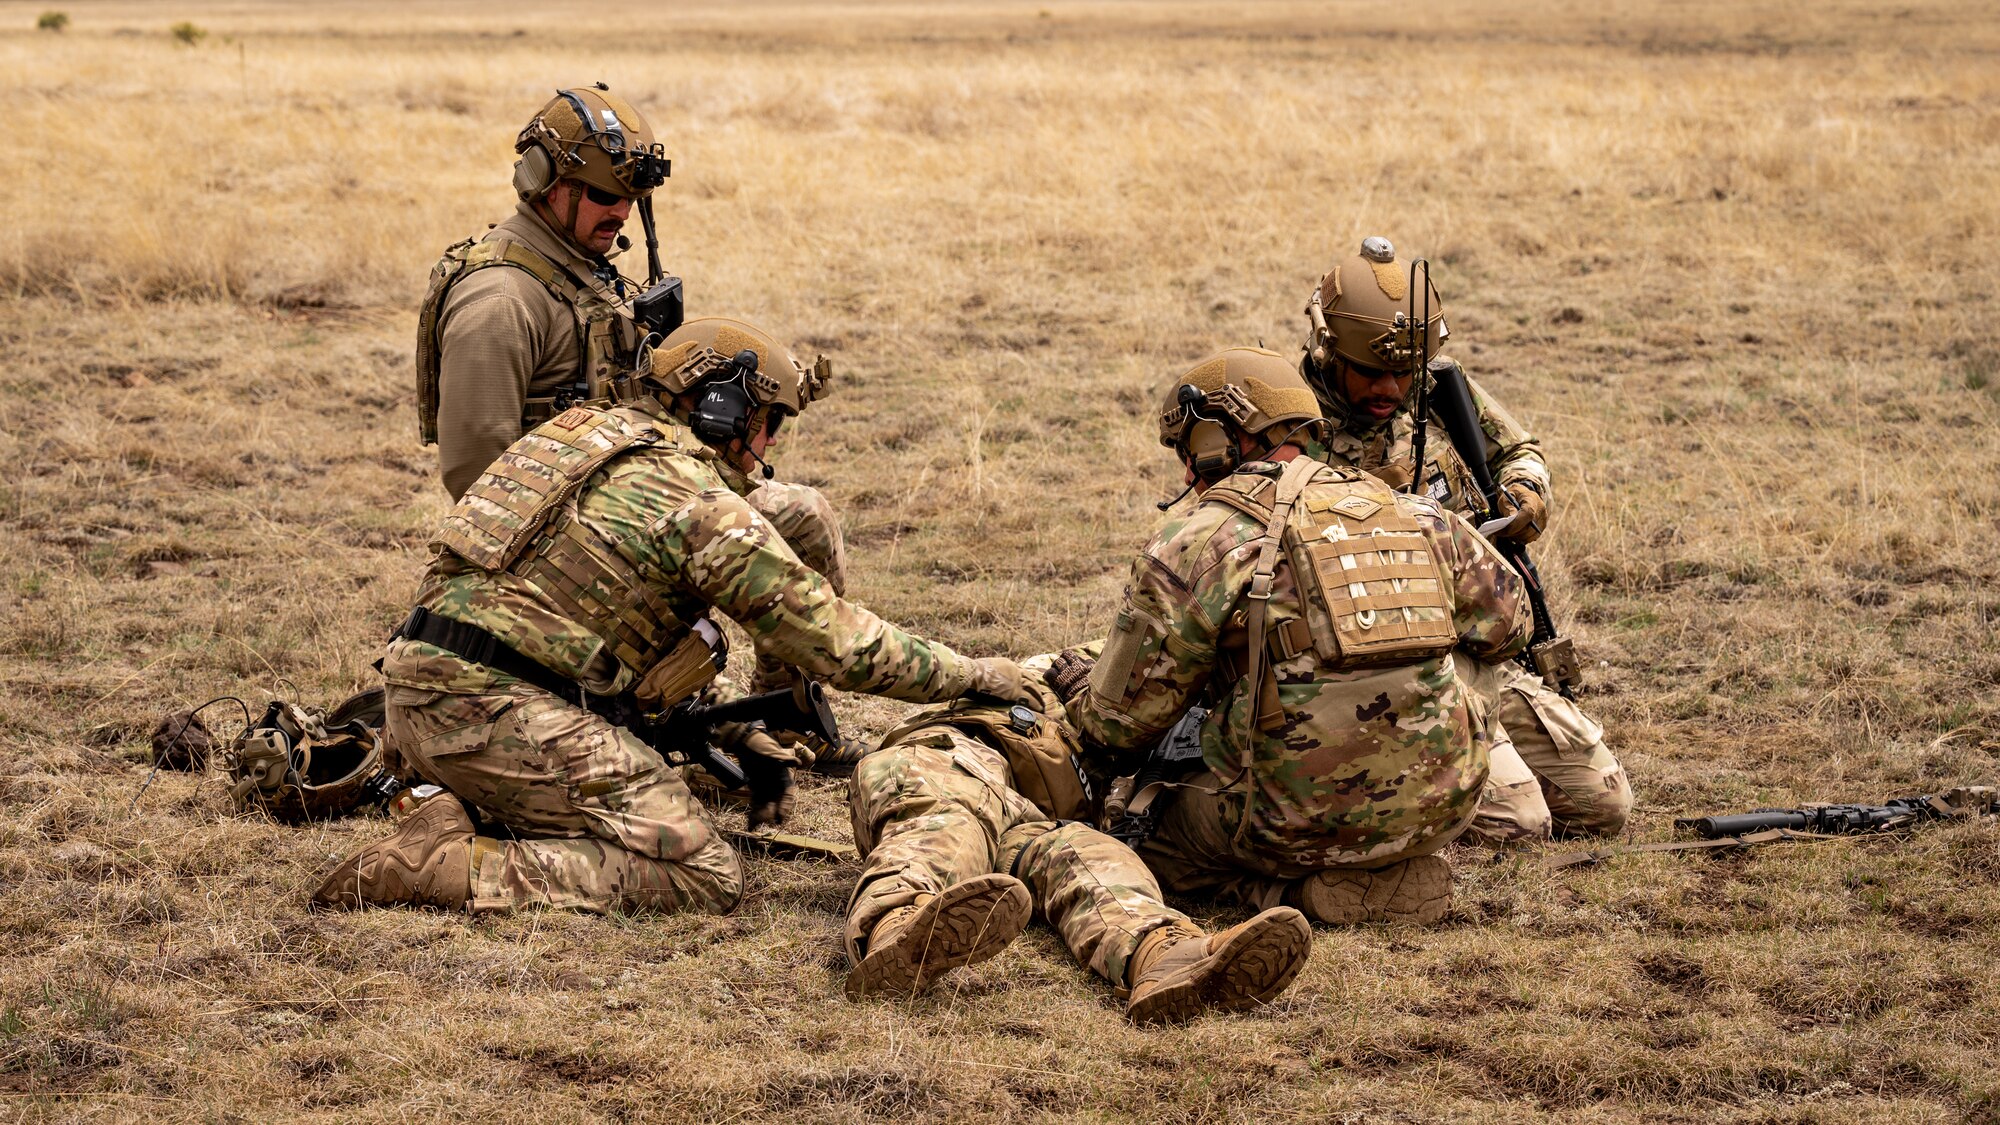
188, 34
52, 21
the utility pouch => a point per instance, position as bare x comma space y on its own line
1374, 591
686, 669
1041, 752
1555, 659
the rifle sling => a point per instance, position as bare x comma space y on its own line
1599, 855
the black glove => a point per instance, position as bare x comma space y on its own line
1069, 675
772, 792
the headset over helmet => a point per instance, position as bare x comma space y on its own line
1245, 391
1361, 311
737, 369
594, 136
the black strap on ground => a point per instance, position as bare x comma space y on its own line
1599, 855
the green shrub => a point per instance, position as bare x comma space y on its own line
52, 21
187, 33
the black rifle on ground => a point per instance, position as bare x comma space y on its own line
1133, 811
1808, 822
685, 734
1549, 656
1848, 820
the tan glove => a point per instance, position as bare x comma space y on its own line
1002, 679
1532, 514
1069, 675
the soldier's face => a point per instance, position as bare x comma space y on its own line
597, 224
1373, 392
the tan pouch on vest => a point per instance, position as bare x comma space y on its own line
689, 667
1043, 758
1375, 593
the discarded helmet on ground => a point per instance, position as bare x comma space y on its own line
298, 766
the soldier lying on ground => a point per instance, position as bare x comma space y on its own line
579, 568
1550, 765
534, 317
958, 857
1324, 621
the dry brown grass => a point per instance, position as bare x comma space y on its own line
1734, 262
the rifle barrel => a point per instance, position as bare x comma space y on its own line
1739, 824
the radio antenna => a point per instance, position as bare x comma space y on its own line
1420, 348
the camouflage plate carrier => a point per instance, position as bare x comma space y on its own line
519, 518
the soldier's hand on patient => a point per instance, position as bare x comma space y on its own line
1069, 675
1002, 679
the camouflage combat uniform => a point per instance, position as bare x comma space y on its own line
1551, 767
1365, 767
651, 540
509, 344
937, 806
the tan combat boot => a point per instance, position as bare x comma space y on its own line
1415, 890
1177, 972
426, 862
913, 945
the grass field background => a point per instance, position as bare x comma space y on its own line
1734, 263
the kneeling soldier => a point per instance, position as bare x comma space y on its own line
1321, 618
573, 580
1551, 767
958, 856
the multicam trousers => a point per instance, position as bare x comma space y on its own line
600, 821
940, 807
1551, 769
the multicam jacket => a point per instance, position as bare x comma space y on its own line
649, 540
1366, 760
1386, 449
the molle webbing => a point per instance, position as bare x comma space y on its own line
582, 578
520, 517
597, 352
520, 492
1373, 588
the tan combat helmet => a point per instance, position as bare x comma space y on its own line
739, 369
1244, 391
1361, 311
594, 136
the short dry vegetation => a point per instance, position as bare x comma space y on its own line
1734, 262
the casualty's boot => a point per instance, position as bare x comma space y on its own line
913, 945
1178, 972
426, 862
1416, 891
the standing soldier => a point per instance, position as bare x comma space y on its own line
966, 818
1558, 767
1326, 623
575, 578
534, 317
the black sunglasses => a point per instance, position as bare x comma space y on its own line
601, 197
